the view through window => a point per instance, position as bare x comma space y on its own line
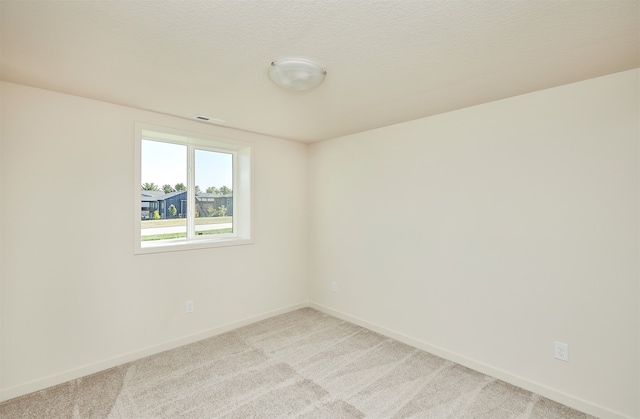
165, 197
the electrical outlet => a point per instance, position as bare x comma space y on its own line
188, 308
334, 286
561, 351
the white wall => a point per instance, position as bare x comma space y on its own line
1, 235
487, 233
75, 299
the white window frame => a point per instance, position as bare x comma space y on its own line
242, 187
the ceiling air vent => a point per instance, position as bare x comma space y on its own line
209, 119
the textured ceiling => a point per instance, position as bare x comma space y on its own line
387, 61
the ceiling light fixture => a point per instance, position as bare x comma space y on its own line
296, 74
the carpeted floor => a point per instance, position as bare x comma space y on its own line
302, 364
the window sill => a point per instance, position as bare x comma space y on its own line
180, 245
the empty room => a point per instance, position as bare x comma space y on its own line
320, 209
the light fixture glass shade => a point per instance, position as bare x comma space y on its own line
296, 74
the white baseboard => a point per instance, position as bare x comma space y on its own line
548, 392
85, 370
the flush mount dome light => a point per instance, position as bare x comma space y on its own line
296, 74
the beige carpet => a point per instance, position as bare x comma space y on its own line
302, 364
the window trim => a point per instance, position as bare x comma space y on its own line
242, 187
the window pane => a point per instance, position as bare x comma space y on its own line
163, 172
214, 194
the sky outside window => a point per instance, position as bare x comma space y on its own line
166, 163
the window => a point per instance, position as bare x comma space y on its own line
191, 191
